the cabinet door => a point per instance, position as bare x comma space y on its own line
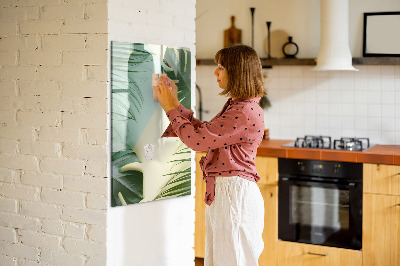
381, 230
270, 233
297, 254
267, 168
381, 179
200, 207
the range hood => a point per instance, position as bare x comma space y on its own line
334, 51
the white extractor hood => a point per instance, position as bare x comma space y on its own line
334, 51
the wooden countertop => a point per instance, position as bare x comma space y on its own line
379, 154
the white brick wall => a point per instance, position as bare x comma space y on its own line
53, 125
62, 258
53, 128
53, 227
75, 230
8, 234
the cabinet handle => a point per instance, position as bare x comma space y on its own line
318, 254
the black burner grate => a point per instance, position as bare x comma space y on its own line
351, 144
320, 142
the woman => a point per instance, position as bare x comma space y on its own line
235, 208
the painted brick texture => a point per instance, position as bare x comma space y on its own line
53, 132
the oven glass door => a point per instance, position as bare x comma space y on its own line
321, 213
316, 208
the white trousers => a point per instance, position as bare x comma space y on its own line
234, 223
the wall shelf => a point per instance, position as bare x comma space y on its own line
376, 61
312, 61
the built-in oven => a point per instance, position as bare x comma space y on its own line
320, 202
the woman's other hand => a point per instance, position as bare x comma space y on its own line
174, 92
164, 94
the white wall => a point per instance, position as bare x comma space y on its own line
53, 121
299, 18
338, 104
161, 232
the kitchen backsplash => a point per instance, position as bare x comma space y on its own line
337, 104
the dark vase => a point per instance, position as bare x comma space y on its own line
290, 49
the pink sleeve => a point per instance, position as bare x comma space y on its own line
188, 114
223, 131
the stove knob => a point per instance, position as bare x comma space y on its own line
302, 167
336, 169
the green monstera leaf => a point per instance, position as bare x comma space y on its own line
127, 186
124, 157
127, 101
132, 107
132, 67
122, 85
177, 65
180, 173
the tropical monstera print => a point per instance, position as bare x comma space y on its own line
144, 166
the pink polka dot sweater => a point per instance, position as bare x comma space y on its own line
231, 139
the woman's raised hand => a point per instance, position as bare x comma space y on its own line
174, 93
165, 95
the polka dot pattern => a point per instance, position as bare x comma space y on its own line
231, 139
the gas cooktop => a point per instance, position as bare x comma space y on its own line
325, 142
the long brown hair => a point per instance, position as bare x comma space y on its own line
245, 78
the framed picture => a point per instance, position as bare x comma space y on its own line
146, 167
381, 34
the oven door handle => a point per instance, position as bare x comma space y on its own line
330, 184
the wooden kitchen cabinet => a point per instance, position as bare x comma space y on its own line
270, 233
200, 207
298, 254
267, 168
381, 215
381, 230
381, 179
